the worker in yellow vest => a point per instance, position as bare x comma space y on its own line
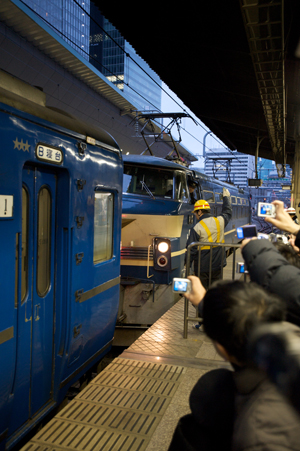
209, 229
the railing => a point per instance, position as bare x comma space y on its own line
199, 245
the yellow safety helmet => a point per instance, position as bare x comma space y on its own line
201, 205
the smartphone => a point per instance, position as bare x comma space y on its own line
266, 210
246, 232
181, 285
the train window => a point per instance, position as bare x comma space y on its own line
233, 200
219, 198
103, 227
181, 190
24, 264
239, 201
43, 242
148, 181
209, 196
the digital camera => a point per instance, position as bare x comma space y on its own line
246, 232
240, 268
266, 210
181, 286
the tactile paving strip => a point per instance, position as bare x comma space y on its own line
118, 410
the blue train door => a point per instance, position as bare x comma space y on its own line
42, 290
34, 365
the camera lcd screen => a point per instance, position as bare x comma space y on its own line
180, 285
239, 232
265, 209
246, 232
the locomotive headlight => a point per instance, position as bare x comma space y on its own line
163, 246
162, 254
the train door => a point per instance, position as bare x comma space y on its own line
34, 366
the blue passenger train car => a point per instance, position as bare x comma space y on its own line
60, 220
157, 215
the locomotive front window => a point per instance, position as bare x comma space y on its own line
181, 191
44, 241
152, 182
103, 227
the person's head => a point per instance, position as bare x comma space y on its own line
289, 253
291, 211
200, 207
191, 186
231, 309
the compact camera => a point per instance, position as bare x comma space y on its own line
181, 286
240, 268
246, 232
266, 210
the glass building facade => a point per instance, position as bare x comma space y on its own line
234, 166
83, 27
69, 19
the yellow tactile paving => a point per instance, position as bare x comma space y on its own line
135, 402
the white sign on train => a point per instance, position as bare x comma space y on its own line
6, 206
49, 154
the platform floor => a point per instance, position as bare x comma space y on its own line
135, 402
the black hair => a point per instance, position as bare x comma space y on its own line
231, 309
289, 253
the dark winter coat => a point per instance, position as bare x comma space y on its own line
271, 270
265, 421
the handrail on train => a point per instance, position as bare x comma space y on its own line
188, 268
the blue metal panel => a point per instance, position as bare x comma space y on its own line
42, 330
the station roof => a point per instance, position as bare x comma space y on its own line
233, 63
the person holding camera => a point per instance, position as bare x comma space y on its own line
267, 267
255, 415
209, 229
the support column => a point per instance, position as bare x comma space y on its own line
295, 193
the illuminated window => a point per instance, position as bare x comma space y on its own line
103, 227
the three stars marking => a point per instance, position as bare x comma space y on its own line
20, 145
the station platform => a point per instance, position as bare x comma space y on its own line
136, 401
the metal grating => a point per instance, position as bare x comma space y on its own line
123, 398
119, 410
140, 253
66, 435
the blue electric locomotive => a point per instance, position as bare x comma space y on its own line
157, 215
60, 219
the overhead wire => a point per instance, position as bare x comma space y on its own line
196, 120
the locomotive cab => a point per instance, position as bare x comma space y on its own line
157, 214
